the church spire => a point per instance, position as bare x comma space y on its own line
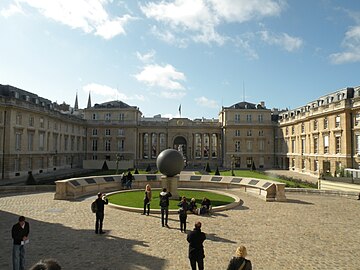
89, 101
76, 107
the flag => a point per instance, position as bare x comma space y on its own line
180, 110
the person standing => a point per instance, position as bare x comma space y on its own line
183, 213
196, 239
100, 203
239, 262
164, 205
20, 234
147, 199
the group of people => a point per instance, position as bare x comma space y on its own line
126, 180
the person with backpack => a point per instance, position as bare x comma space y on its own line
164, 205
183, 213
100, 205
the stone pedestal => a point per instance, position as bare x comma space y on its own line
171, 184
280, 193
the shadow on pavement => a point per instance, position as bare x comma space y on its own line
74, 249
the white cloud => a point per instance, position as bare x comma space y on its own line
87, 15
205, 102
11, 10
351, 43
172, 95
109, 93
283, 40
199, 19
166, 77
147, 57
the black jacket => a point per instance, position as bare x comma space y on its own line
18, 232
100, 204
196, 239
164, 198
236, 262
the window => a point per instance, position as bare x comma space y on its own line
326, 144
18, 119
249, 162
249, 146
261, 133
153, 145
237, 133
41, 141
249, 133
18, 141
121, 144
31, 121
292, 130
146, 146
316, 165
94, 132
121, 117
326, 123
107, 116
94, 116
107, 145
303, 163
237, 118
302, 127
248, 118
162, 142
107, 132
337, 121
337, 144
94, 145
316, 145
303, 145
261, 145
206, 145
315, 124
357, 119
66, 143
260, 118
41, 122
237, 146
197, 145
121, 132
293, 146
72, 143
214, 145
30, 141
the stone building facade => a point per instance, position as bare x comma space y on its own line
37, 135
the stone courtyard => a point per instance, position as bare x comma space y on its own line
306, 232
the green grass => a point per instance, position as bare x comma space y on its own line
136, 198
255, 174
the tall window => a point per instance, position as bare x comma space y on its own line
302, 127
17, 141
337, 144
30, 141
293, 145
31, 121
107, 132
214, 145
261, 145
41, 122
121, 145
237, 118
95, 145
303, 145
261, 133
107, 116
121, 132
248, 118
260, 118
326, 124
121, 117
237, 133
206, 145
153, 145
316, 165
162, 142
316, 145
249, 133
66, 143
94, 116
107, 145
292, 130
94, 132
146, 146
337, 121
315, 124
326, 144
197, 145
41, 141
237, 146
249, 146
18, 119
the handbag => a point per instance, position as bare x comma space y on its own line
242, 265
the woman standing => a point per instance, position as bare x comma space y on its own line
239, 262
147, 199
183, 213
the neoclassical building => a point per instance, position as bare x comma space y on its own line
38, 135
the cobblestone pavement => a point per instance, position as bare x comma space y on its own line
306, 232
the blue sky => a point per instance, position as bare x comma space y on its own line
202, 54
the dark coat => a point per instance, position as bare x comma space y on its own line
196, 239
18, 232
236, 262
100, 204
164, 199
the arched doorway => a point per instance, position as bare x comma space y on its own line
180, 144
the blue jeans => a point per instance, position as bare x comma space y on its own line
18, 257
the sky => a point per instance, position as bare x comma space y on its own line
197, 54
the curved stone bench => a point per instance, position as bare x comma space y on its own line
78, 187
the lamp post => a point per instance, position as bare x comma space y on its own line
117, 163
232, 165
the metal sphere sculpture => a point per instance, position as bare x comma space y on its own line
170, 162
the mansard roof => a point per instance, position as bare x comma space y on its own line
116, 104
246, 105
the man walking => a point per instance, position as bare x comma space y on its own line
20, 234
164, 204
196, 248
100, 203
